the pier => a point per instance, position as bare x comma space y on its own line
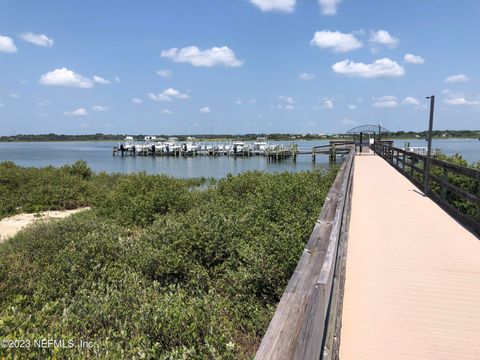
389, 271
273, 152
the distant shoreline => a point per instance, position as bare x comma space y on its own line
399, 135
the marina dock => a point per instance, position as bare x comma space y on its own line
150, 146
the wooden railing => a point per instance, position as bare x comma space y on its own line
306, 324
462, 202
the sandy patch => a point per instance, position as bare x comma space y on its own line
13, 224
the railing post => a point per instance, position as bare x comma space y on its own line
443, 188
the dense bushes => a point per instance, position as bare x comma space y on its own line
465, 183
198, 280
34, 189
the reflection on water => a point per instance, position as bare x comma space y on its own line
99, 157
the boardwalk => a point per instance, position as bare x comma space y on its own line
413, 274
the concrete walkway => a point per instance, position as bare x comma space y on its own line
413, 274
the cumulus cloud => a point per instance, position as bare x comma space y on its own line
77, 112
204, 110
166, 112
117, 79
169, 94
387, 101
206, 58
137, 101
306, 76
414, 59
275, 5
7, 45
336, 41
379, 68
164, 73
457, 78
327, 104
286, 99
44, 103
100, 80
383, 37
37, 39
459, 101
329, 7
352, 107
65, 77
409, 100
100, 108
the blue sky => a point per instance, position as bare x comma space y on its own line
237, 66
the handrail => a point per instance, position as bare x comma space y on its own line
306, 323
441, 187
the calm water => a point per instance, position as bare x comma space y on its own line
99, 157
468, 148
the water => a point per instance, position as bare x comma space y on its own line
468, 148
99, 157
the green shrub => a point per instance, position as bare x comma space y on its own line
200, 280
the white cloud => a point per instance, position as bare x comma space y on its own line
409, 100
169, 94
239, 101
414, 59
164, 73
286, 99
329, 7
457, 78
137, 101
456, 101
14, 96
159, 97
175, 94
306, 76
100, 108
65, 77
336, 41
166, 112
204, 110
77, 112
100, 80
387, 101
117, 79
379, 68
275, 5
37, 39
7, 45
207, 58
352, 107
383, 37
327, 104
44, 103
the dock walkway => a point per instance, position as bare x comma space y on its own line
412, 288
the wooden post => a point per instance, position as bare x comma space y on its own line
443, 189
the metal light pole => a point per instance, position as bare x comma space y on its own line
429, 149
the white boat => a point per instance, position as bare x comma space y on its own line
261, 145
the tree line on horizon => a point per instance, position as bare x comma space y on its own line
274, 136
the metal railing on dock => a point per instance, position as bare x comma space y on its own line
306, 324
454, 187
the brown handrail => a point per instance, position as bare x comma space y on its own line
306, 323
413, 167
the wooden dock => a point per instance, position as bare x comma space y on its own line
388, 273
412, 286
